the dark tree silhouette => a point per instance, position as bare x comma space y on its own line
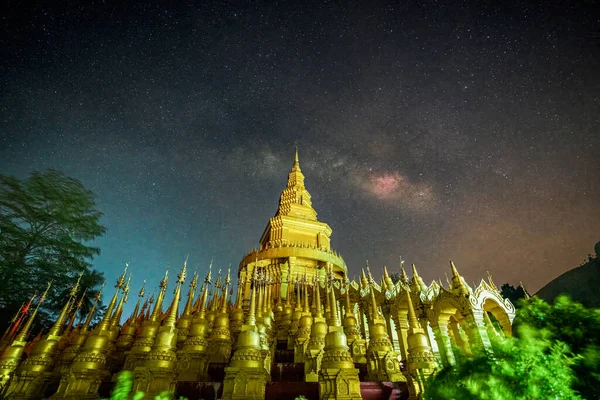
46, 224
514, 294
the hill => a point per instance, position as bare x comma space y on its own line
581, 284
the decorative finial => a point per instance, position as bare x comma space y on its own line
194, 282
76, 285
164, 281
121, 280
209, 274
183, 274
143, 289
126, 289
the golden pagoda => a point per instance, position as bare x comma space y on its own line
297, 319
294, 242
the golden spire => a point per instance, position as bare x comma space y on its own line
527, 295
193, 284
12, 326
137, 306
413, 322
23, 311
295, 201
403, 276
317, 294
349, 311
239, 294
106, 320
335, 318
225, 290
306, 303
454, 270
372, 293
387, 279
171, 319
58, 324
161, 295
116, 318
74, 314
417, 280
491, 282
251, 320
457, 282
97, 299
150, 302
363, 280
22, 336
207, 279
259, 305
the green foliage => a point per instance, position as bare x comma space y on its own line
46, 222
124, 386
555, 355
578, 327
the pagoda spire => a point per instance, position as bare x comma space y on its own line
116, 319
171, 318
335, 318
387, 279
225, 291
161, 295
363, 280
97, 299
458, 283
56, 328
251, 319
17, 322
202, 311
137, 306
527, 295
22, 336
190, 301
403, 276
105, 324
295, 200
74, 314
417, 281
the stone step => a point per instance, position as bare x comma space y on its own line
291, 390
284, 356
287, 372
383, 391
199, 390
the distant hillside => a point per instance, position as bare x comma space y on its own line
582, 284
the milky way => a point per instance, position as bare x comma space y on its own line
433, 130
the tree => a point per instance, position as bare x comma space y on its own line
395, 277
46, 223
88, 287
546, 360
514, 294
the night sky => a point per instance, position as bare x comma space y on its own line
432, 130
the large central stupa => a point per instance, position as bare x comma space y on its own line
294, 243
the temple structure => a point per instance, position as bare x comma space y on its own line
296, 317
294, 242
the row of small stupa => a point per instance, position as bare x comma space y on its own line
329, 338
